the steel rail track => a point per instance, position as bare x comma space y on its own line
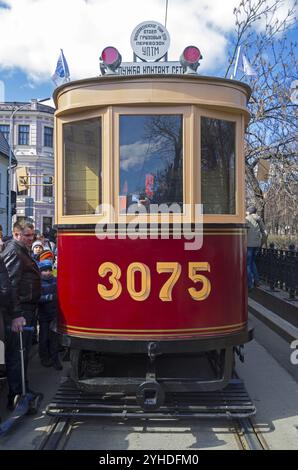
248, 435
58, 434
246, 432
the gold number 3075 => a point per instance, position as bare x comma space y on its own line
173, 268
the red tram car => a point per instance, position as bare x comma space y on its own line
147, 297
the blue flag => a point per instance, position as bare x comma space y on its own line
61, 74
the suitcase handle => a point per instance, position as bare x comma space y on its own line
25, 328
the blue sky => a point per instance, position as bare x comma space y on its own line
33, 31
19, 88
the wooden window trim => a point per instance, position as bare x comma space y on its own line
239, 215
61, 218
186, 113
110, 161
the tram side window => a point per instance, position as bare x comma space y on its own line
151, 161
218, 166
82, 166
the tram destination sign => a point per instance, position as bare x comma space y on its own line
146, 68
150, 41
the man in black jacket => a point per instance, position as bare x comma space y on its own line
25, 281
5, 296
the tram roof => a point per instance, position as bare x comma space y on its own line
130, 78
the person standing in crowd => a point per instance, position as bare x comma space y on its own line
47, 312
5, 296
16, 232
47, 244
256, 231
37, 249
47, 254
25, 281
5, 299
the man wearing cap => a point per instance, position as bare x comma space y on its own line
25, 281
256, 231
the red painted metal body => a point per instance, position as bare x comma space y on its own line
84, 313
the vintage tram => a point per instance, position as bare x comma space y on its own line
146, 301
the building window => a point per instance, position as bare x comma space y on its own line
151, 160
46, 223
23, 192
48, 136
4, 128
23, 134
218, 166
47, 186
82, 166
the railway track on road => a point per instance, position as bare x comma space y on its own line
248, 435
232, 407
244, 430
57, 435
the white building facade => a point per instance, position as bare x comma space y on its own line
33, 178
4, 165
3, 192
4, 158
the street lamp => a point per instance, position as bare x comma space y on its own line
11, 139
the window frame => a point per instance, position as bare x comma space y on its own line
62, 218
6, 132
45, 135
191, 114
187, 139
27, 134
43, 222
47, 185
238, 119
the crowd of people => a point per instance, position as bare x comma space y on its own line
28, 295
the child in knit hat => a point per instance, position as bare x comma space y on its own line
47, 255
47, 313
37, 249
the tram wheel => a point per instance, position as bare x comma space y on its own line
85, 364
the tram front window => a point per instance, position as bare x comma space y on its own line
218, 166
82, 166
151, 160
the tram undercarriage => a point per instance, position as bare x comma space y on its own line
187, 378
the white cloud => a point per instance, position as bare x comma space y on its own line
133, 155
33, 31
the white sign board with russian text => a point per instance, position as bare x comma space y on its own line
150, 41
